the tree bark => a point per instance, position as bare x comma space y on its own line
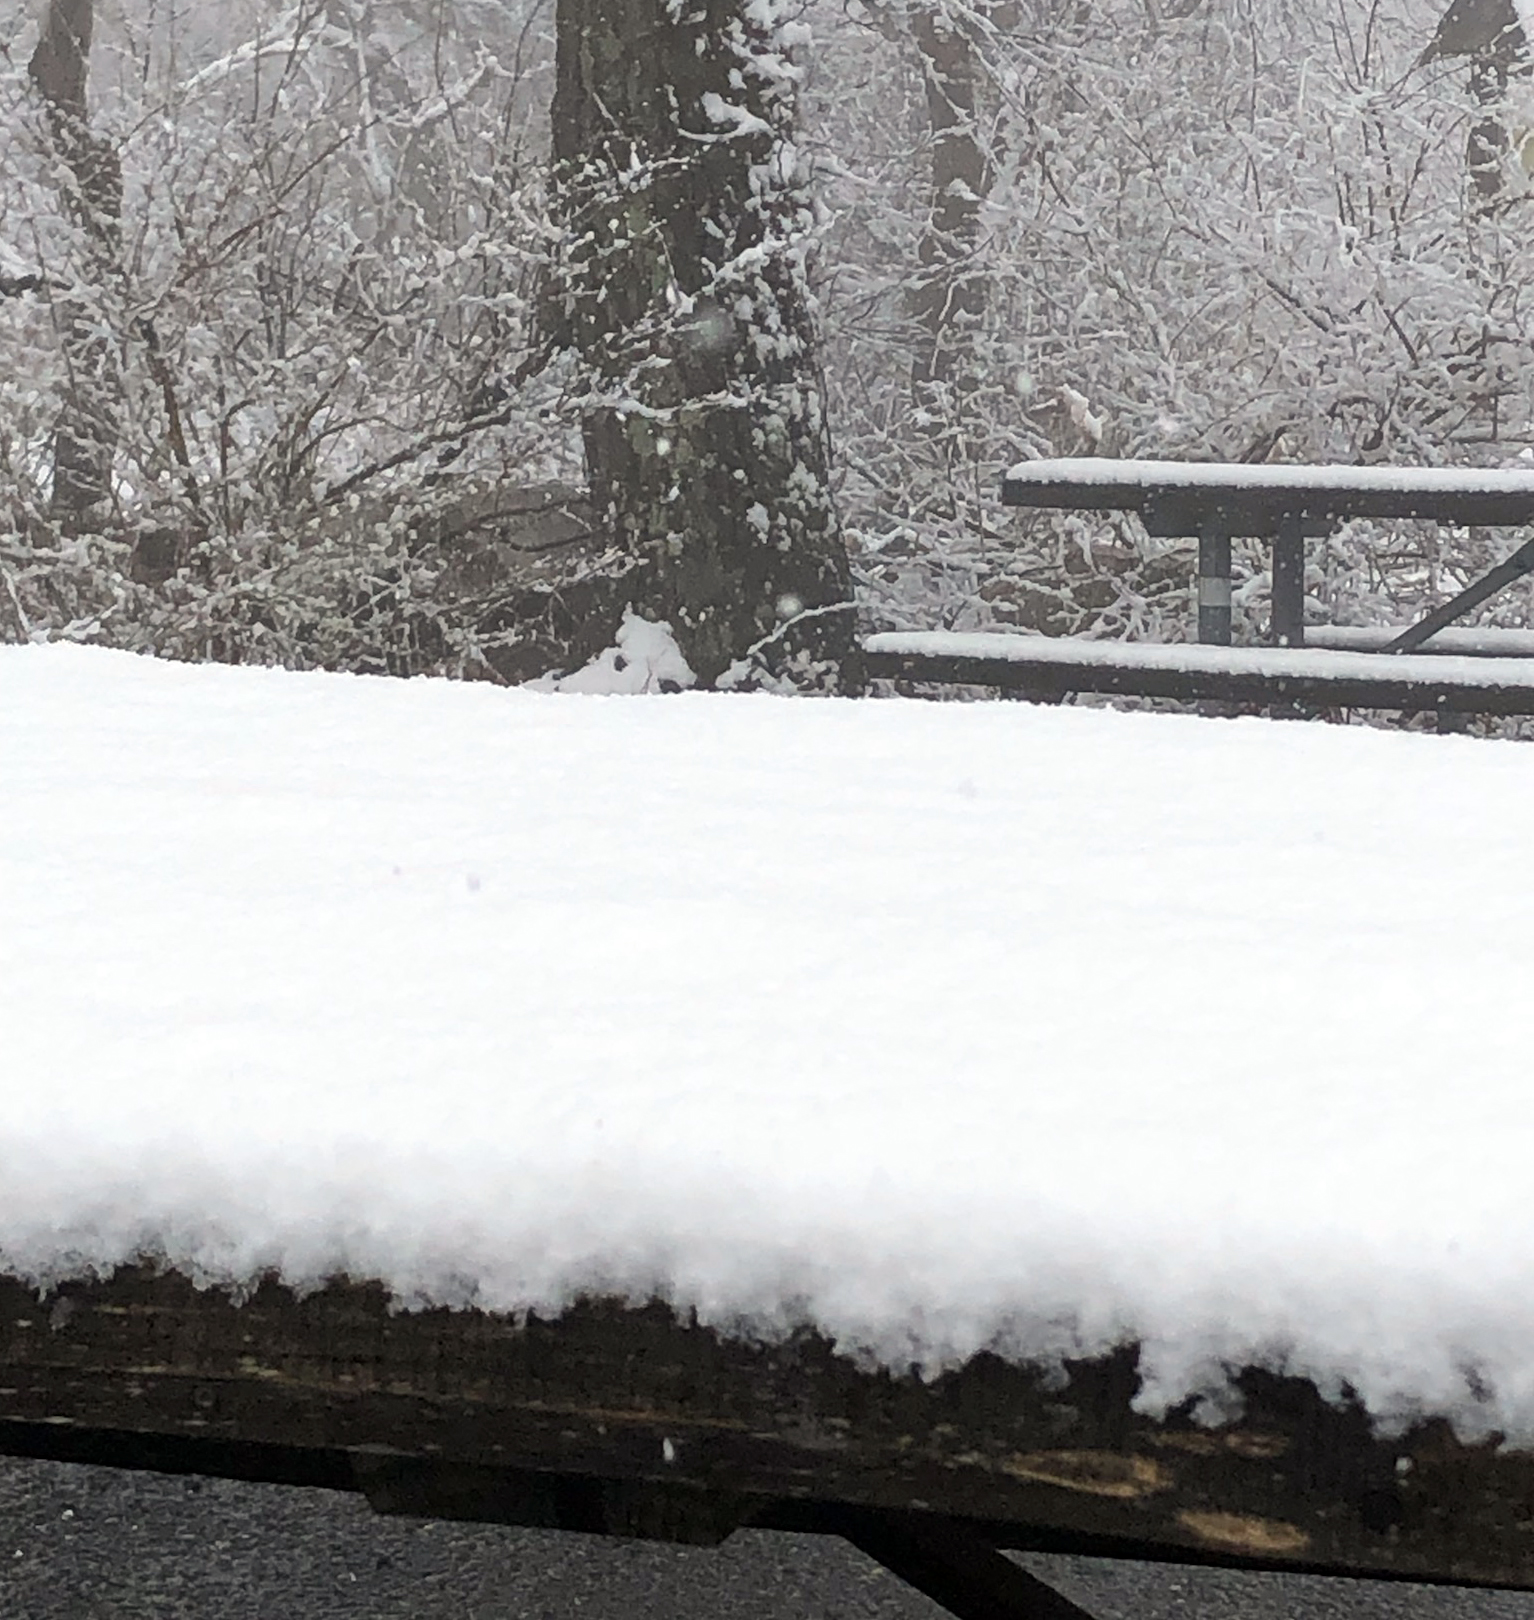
950, 298
1471, 28
85, 435
1486, 144
1490, 34
682, 287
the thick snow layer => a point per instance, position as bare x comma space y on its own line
1307, 662
940, 1026
1265, 475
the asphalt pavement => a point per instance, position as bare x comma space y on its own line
93, 1544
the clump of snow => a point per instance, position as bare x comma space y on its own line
941, 1026
741, 120
1080, 408
645, 658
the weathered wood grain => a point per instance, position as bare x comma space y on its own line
637, 1422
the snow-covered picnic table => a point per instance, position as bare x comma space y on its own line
1283, 504
1491, 495
1158, 1089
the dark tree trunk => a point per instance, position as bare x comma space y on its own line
683, 290
949, 299
1490, 34
1486, 144
91, 177
1473, 28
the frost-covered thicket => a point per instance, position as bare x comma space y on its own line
331, 222
318, 332
1229, 229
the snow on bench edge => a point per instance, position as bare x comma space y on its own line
1299, 662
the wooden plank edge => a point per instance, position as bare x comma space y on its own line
639, 1421
1177, 509
1049, 682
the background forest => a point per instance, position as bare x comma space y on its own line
303, 312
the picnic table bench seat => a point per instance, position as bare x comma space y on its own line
1051, 667
1456, 641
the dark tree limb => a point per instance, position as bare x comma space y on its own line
20, 286
949, 299
85, 435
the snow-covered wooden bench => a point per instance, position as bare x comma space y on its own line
1215, 502
656, 1116
1048, 667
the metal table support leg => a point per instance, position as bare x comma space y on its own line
959, 1570
1214, 585
1288, 595
1504, 574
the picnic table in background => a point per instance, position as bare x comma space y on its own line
1284, 506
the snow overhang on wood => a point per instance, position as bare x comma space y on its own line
939, 1027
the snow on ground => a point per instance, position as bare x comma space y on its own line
938, 1025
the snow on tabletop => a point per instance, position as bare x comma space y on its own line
1266, 475
939, 1026
1304, 663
